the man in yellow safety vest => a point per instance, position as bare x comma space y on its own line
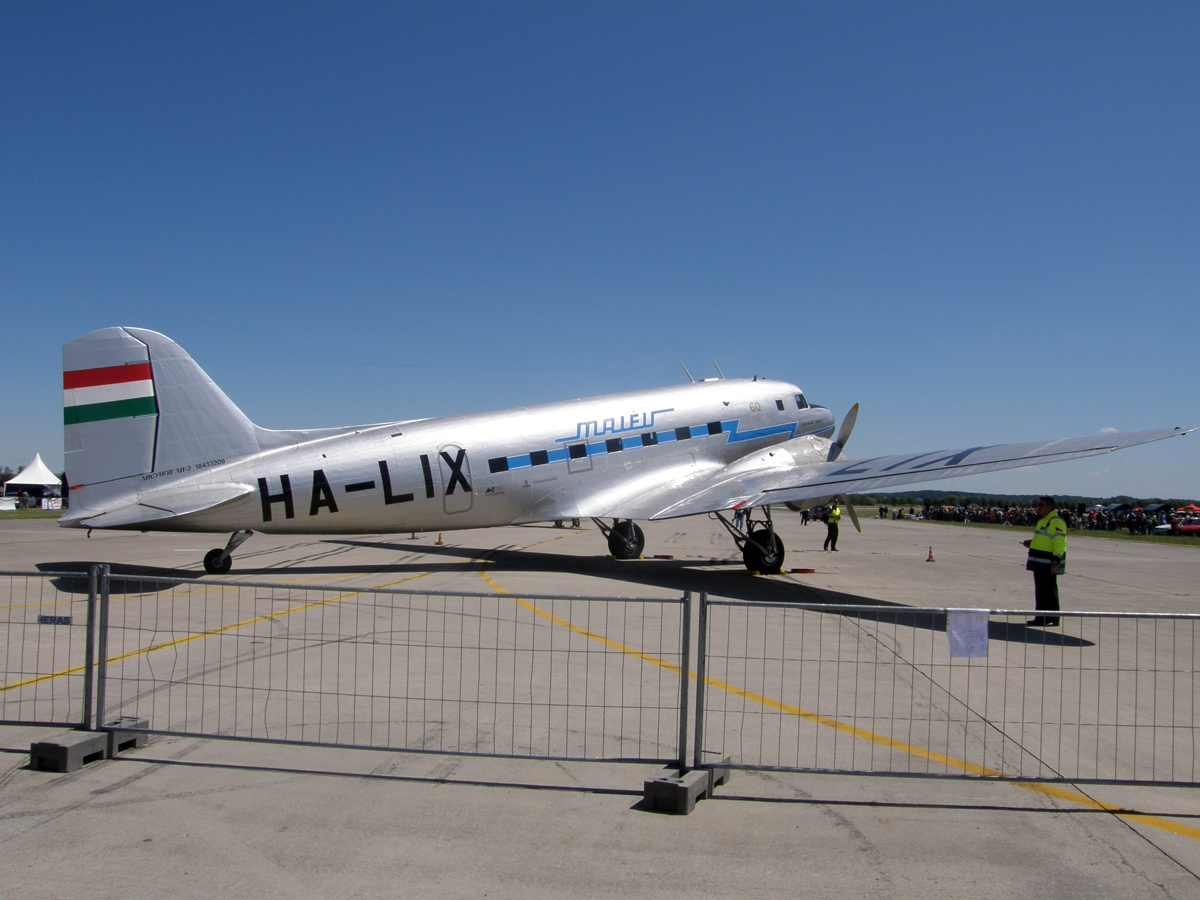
1047, 560
831, 524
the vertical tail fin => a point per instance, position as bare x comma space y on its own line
110, 411
135, 404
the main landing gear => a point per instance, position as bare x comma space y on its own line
625, 539
762, 550
219, 562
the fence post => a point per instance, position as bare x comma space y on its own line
684, 667
89, 648
102, 668
701, 642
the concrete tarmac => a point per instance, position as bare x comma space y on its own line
203, 818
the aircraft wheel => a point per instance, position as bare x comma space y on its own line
756, 560
214, 565
626, 541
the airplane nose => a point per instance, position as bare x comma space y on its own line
826, 420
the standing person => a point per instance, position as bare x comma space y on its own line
831, 524
1047, 560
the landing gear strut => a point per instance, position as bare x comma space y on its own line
625, 539
219, 562
762, 550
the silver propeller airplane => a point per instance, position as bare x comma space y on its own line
152, 444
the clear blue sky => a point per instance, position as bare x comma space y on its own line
980, 220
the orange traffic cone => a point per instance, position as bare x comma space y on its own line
930, 558
439, 540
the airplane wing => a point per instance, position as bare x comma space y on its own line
775, 475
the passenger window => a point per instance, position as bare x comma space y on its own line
801, 403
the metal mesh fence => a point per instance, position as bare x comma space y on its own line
541, 677
865, 689
45, 641
1104, 697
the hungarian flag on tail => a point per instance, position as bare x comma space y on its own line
112, 392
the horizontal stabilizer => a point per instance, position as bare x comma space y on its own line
166, 503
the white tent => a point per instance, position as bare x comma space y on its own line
34, 475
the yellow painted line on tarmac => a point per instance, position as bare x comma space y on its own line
570, 626
608, 642
43, 604
1084, 800
195, 637
40, 678
853, 730
559, 537
862, 733
217, 586
181, 589
267, 618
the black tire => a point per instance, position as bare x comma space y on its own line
626, 540
214, 565
767, 558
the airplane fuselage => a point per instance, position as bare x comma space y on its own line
553, 461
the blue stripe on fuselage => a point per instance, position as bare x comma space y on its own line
728, 428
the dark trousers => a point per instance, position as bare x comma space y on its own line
831, 537
1045, 591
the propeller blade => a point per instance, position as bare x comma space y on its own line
835, 449
853, 515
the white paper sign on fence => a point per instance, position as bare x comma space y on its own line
968, 632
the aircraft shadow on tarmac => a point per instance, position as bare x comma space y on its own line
724, 578
732, 582
74, 577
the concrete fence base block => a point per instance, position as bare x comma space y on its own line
677, 792
121, 738
68, 751
721, 773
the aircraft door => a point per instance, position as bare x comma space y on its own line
578, 459
457, 487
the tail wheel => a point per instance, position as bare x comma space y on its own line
763, 552
626, 541
217, 562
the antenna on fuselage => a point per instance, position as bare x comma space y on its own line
687, 373
719, 372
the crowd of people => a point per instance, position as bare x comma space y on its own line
1134, 520
993, 515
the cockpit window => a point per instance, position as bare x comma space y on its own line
801, 403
